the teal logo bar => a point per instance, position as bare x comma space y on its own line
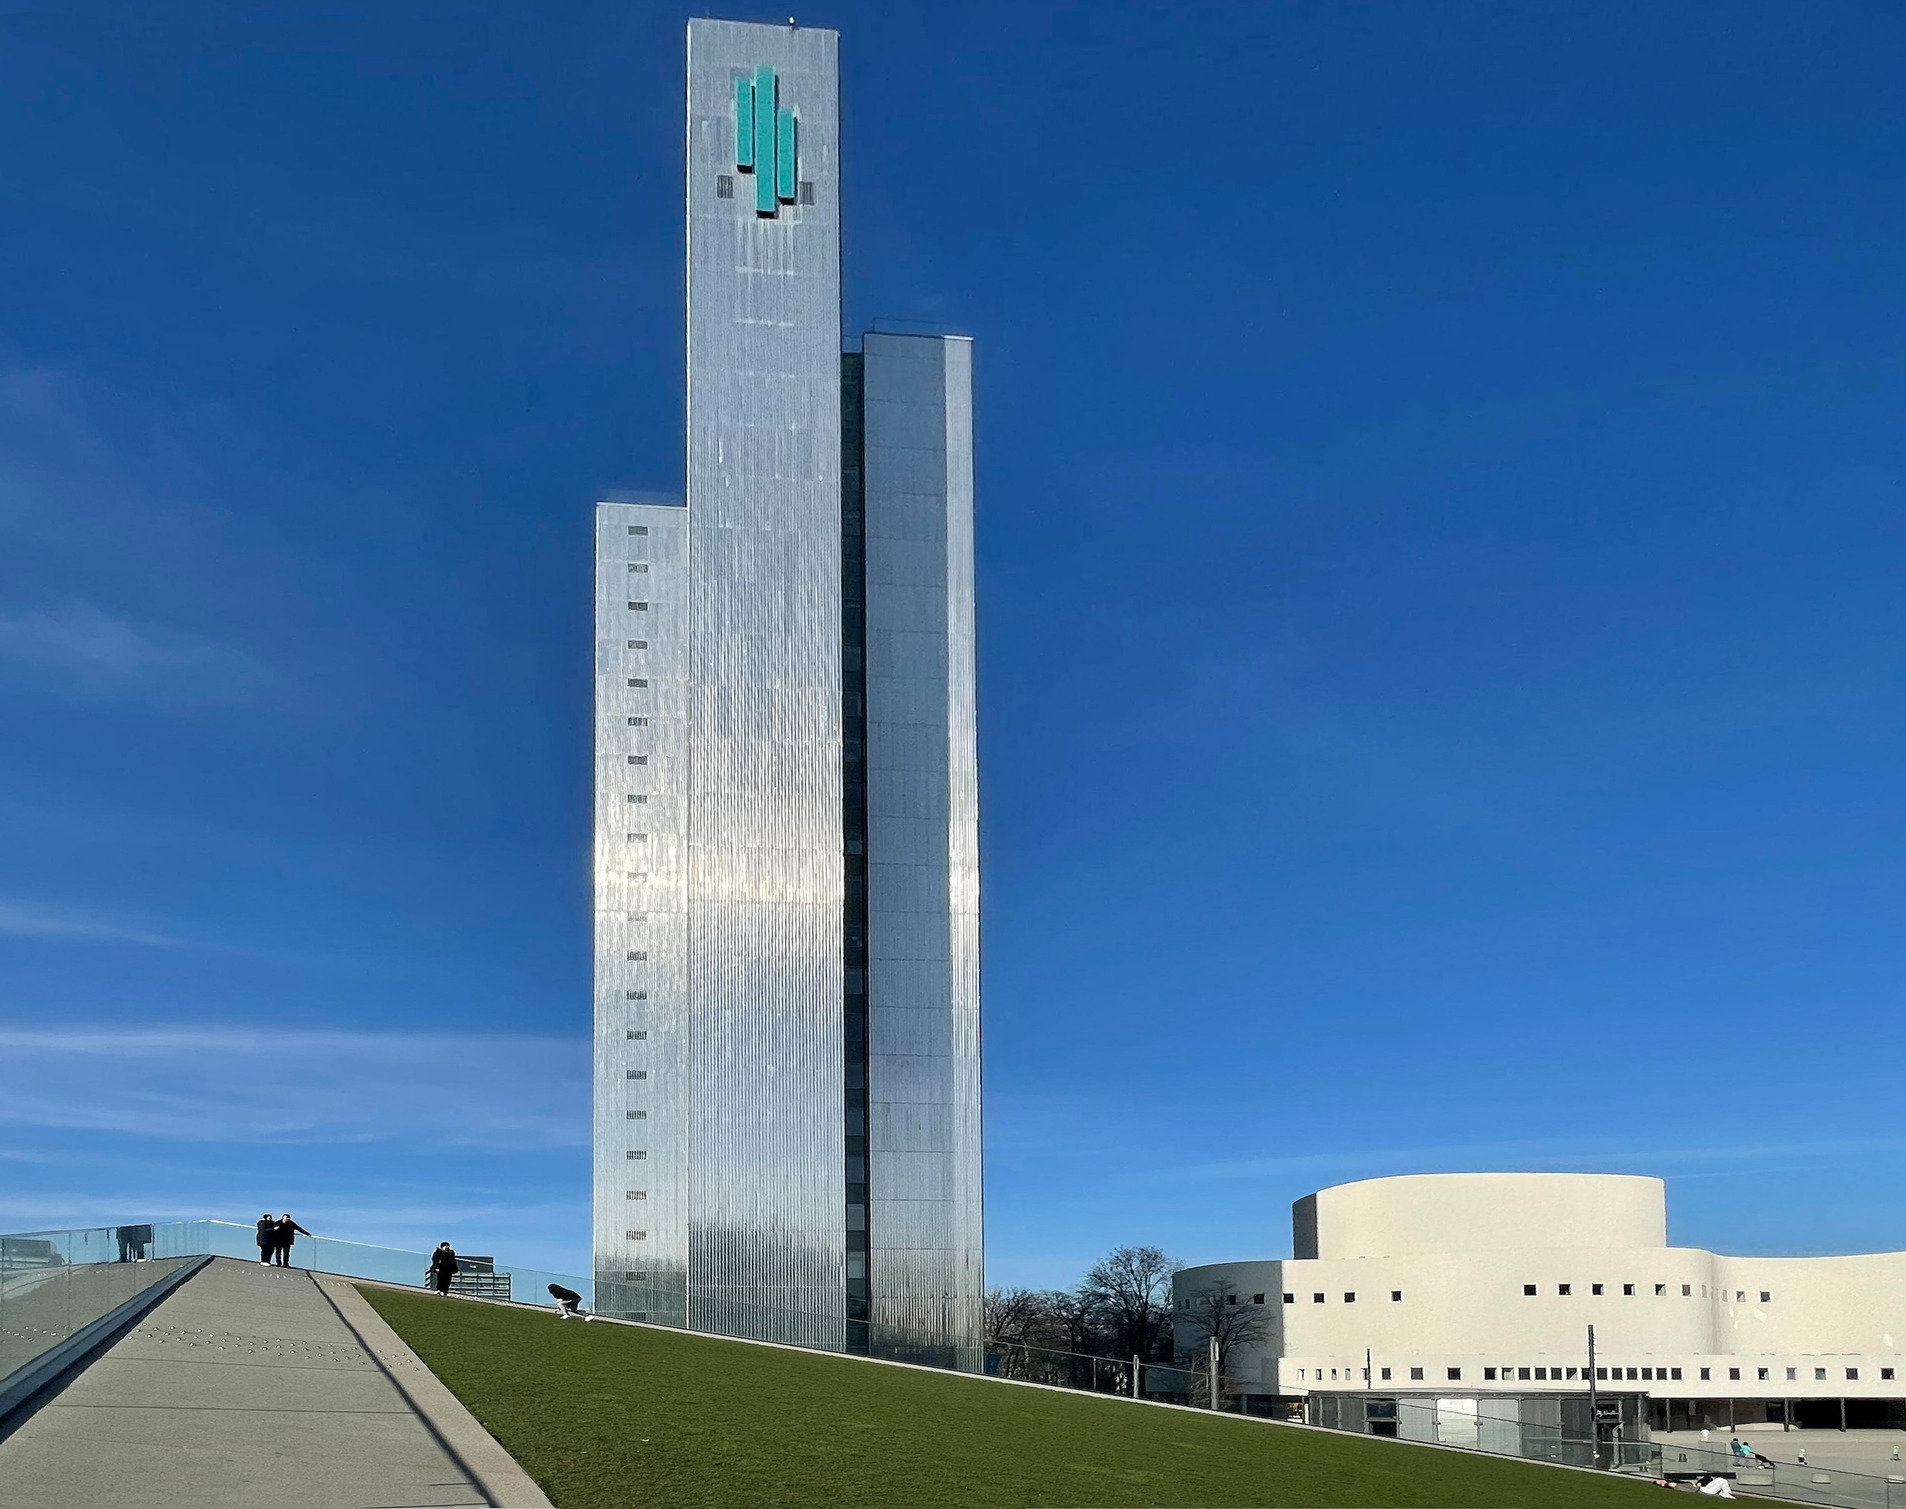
766, 141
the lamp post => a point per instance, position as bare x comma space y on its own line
1594, 1415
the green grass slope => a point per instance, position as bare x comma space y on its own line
611, 1416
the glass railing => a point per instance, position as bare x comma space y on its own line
121, 1245
45, 1297
1756, 1473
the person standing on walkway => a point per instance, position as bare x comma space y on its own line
568, 1302
267, 1237
288, 1232
443, 1268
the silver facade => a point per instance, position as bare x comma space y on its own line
926, 1261
723, 1104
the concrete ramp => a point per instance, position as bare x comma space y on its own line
252, 1385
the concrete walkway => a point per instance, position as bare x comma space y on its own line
252, 1385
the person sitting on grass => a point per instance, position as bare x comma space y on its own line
568, 1302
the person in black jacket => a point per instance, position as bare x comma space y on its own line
288, 1231
443, 1268
568, 1302
267, 1237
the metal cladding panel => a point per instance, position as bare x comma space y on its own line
766, 1240
925, 1217
641, 867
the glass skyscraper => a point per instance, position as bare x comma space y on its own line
787, 1081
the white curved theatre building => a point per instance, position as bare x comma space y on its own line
1486, 1284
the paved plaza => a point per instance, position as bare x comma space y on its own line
253, 1385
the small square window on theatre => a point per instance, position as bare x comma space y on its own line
1316, 1299
1455, 1375
1416, 1375
1687, 1290
1792, 1374
1661, 1289
1627, 1288
1488, 1375
1564, 1289
1290, 1299
1257, 1299
1528, 1288
1820, 1375
1852, 1375
1733, 1375
1761, 1374
1765, 1297
1594, 1288
1886, 1375
1396, 1296
1349, 1297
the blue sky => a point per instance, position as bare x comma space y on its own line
1441, 544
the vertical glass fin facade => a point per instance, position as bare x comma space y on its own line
768, 718
922, 841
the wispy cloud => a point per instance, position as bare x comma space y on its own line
1537, 1156
208, 1084
94, 652
22, 919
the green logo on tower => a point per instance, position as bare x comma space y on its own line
766, 141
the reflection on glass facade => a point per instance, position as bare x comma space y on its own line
786, 853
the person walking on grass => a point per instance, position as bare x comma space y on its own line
568, 1302
443, 1268
288, 1232
267, 1237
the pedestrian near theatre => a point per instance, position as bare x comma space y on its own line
443, 1268
267, 1237
568, 1302
288, 1232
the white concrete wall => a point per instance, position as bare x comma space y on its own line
1427, 1213
1676, 1312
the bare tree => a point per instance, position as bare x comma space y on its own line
1130, 1288
1218, 1313
1016, 1317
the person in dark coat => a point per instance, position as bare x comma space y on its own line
288, 1232
568, 1302
267, 1237
443, 1268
